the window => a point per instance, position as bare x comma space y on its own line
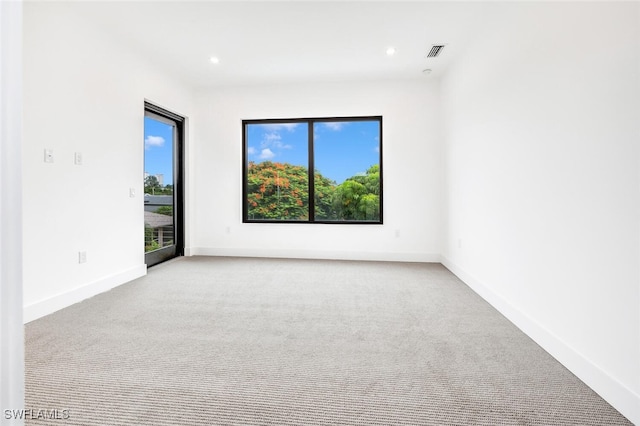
163, 184
345, 155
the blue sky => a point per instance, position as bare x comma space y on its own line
342, 148
158, 149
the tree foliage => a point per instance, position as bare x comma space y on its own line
279, 191
152, 186
150, 243
358, 197
165, 210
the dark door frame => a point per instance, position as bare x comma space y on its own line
177, 249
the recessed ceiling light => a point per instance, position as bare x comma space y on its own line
391, 51
214, 60
427, 71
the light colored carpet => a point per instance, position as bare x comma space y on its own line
229, 341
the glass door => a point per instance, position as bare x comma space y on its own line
163, 203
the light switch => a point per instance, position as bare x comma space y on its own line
48, 156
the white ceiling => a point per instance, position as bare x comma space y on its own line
263, 42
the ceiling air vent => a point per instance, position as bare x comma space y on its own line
436, 49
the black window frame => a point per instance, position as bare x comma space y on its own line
311, 168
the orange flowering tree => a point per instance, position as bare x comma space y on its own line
277, 191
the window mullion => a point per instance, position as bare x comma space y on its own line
312, 197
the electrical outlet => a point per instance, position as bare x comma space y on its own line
82, 257
77, 159
132, 192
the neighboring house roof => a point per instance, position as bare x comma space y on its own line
155, 220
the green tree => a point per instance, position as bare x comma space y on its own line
325, 189
358, 197
346, 199
151, 185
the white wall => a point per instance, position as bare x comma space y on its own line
541, 126
11, 330
83, 92
411, 172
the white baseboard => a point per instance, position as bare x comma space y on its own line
59, 301
611, 390
316, 254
